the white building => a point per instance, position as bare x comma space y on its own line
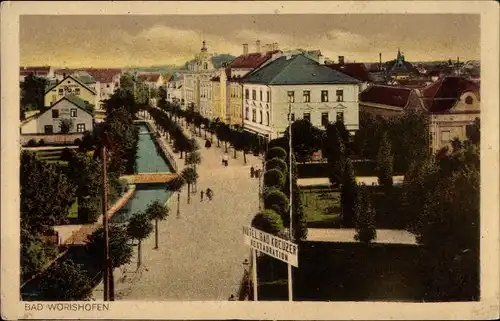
46, 72
174, 88
69, 108
313, 90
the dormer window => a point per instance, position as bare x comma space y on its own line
469, 100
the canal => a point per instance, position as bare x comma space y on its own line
150, 160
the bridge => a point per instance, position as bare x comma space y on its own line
150, 178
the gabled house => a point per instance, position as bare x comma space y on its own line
72, 85
310, 89
72, 110
152, 79
453, 104
389, 101
174, 87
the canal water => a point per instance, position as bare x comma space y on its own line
149, 161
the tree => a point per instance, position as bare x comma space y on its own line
34, 253
193, 159
306, 139
66, 125
268, 221
365, 217
139, 227
46, 194
274, 178
32, 94
158, 212
277, 163
276, 152
348, 195
120, 248
176, 185
474, 132
385, 164
334, 151
190, 176
66, 281
276, 200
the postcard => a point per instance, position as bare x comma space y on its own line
263, 160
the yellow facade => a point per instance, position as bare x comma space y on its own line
235, 103
70, 86
215, 101
219, 97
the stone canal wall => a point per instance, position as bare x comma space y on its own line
159, 142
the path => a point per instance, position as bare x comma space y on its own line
200, 254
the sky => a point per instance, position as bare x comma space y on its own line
134, 40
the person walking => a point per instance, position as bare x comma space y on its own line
201, 193
209, 194
252, 171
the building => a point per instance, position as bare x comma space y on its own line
389, 101
46, 72
151, 79
197, 83
108, 80
72, 85
312, 90
219, 97
174, 88
453, 104
355, 70
48, 121
400, 68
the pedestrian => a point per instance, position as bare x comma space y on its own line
201, 193
232, 298
226, 159
252, 171
209, 194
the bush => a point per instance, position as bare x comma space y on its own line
277, 163
276, 200
268, 221
88, 210
77, 141
274, 178
66, 154
276, 152
41, 142
31, 143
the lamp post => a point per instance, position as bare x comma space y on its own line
290, 155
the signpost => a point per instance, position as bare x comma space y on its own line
271, 245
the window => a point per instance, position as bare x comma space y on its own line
292, 118
267, 114
77, 91
340, 95
307, 96
267, 96
291, 96
307, 116
261, 95
55, 113
340, 116
247, 94
261, 118
445, 136
80, 128
469, 100
205, 65
48, 129
69, 90
254, 94
73, 112
61, 91
324, 119
324, 96
254, 115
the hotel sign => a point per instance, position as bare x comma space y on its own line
271, 245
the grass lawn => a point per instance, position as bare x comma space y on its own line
321, 207
73, 210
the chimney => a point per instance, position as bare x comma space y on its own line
257, 46
379, 61
276, 46
341, 60
245, 49
321, 59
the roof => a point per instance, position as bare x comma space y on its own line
412, 83
297, 69
73, 99
76, 101
37, 70
252, 60
86, 79
355, 70
149, 77
228, 75
75, 79
386, 95
392, 67
103, 75
444, 93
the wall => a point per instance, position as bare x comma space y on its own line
259, 106
64, 108
380, 110
279, 105
85, 94
51, 139
235, 103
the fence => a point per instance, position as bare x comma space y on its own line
61, 139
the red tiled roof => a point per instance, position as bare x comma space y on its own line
37, 70
355, 70
411, 83
151, 77
386, 95
103, 75
444, 93
252, 60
